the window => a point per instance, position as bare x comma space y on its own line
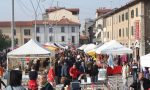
119, 32
26, 32
50, 30
122, 17
136, 12
73, 39
132, 14
107, 34
132, 30
119, 19
127, 32
26, 40
37, 29
38, 38
62, 38
62, 29
15, 32
50, 38
72, 29
16, 41
127, 15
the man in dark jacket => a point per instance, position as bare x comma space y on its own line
94, 72
45, 85
145, 83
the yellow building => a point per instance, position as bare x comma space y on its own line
129, 25
23, 32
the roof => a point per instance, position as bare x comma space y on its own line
17, 23
131, 3
63, 21
103, 10
52, 9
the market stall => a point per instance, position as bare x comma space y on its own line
145, 60
113, 48
82, 47
31, 49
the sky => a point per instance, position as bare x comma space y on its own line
24, 9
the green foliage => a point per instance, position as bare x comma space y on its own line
5, 41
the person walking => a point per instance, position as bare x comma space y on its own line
15, 81
125, 74
51, 76
74, 72
1, 76
33, 75
134, 71
144, 82
44, 84
95, 72
64, 70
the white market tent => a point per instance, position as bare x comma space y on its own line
145, 60
113, 47
89, 47
82, 47
32, 48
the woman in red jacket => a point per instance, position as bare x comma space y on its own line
51, 76
74, 72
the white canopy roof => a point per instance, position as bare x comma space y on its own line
30, 48
89, 47
113, 47
82, 47
50, 44
145, 60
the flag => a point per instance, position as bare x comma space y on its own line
110, 61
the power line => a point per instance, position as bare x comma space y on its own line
24, 5
21, 5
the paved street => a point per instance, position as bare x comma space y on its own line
113, 82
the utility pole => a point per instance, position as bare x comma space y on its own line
12, 26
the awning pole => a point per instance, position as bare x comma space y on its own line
7, 63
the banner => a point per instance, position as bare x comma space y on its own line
137, 30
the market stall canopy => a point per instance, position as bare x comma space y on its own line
145, 60
30, 48
113, 47
82, 47
51, 46
89, 47
93, 51
60, 46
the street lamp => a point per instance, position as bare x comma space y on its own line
12, 26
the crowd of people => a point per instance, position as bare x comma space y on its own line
69, 66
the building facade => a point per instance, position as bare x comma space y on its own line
129, 25
57, 13
99, 24
60, 26
23, 32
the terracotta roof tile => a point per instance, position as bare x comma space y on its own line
63, 21
52, 9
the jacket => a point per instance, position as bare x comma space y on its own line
47, 86
74, 72
51, 75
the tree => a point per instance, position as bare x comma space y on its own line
5, 42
